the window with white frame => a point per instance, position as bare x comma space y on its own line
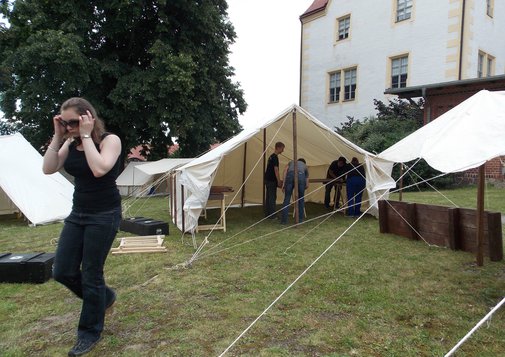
490, 66
335, 87
403, 10
489, 7
399, 71
342, 85
485, 65
480, 65
350, 83
344, 27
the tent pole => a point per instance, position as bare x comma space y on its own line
295, 162
182, 210
174, 198
243, 175
480, 215
264, 161
401, 183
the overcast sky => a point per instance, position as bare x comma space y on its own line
266, 54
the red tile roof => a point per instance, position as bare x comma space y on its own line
317, 5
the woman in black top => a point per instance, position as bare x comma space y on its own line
91, 155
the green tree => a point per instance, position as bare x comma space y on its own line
394, 121
153, 69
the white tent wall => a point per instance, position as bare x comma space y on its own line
41, 198
316, 143
134, 182
6, 204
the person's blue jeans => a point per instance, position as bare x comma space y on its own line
355, 188
83, 246
271, 192
288, 191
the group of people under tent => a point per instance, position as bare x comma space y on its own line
339, 174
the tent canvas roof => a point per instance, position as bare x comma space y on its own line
41, 198
162, 166
463, 138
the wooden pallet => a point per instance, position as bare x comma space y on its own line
140, 244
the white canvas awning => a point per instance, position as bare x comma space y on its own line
41, 198
465, 137
238, 163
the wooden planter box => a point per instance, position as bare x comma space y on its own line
450, 227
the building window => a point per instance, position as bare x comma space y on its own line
403, 10
399, 70
350, 84
480, 65
490, 66
344, 26
335, 87
489, 7
485, 65
348, 90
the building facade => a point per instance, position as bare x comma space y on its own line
353, 51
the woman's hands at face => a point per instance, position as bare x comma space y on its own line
59, 129
86, 124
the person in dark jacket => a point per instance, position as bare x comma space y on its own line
356, 183
82, 146
272, 181
336, 172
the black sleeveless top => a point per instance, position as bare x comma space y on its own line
92, 194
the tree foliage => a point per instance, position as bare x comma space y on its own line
394, 121
153, 69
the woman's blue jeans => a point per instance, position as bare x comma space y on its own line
83, 246
288, 191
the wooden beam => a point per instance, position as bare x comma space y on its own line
244, 176
480, 215
264, 162
295, 164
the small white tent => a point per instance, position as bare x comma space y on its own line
138, 178
133, 182
24, 187
239, 163
465, 137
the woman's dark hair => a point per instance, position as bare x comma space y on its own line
81, 105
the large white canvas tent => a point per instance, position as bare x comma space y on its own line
24, 187
139, 178
240, 163
465, 137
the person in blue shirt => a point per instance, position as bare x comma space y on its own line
356, 183
289, 186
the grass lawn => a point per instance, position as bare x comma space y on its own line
369, 295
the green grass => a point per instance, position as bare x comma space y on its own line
369, 295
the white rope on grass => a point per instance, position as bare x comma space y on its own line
293, 283
435, 189
302, 274
276, 212
484, 319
